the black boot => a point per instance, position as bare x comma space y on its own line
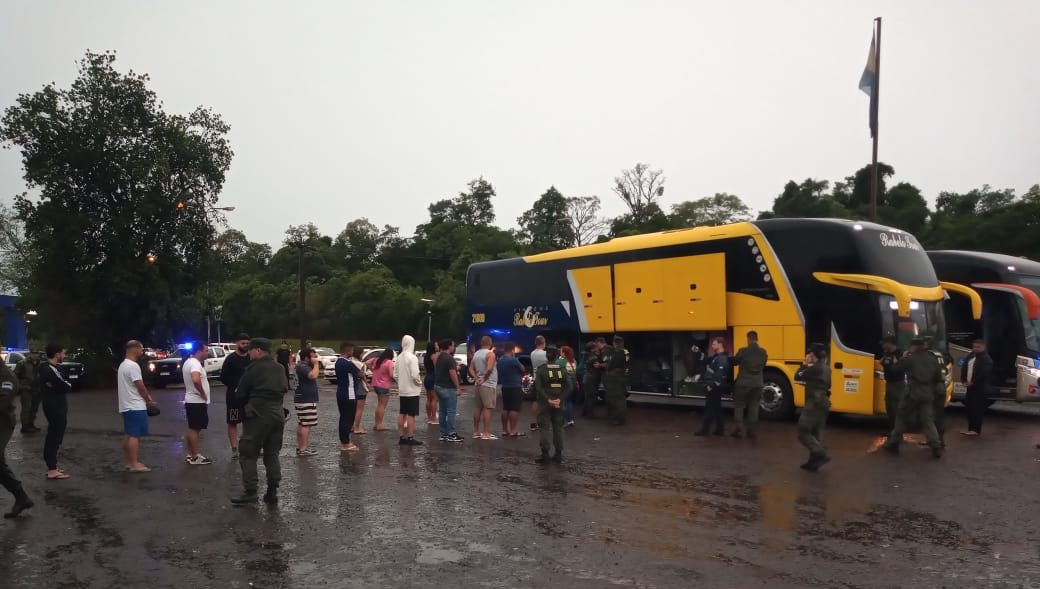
737, 433
701, 432
891, 448
937, 452
246, 498
720, 431
271, 496
558, 458
544, 458
21, 503
816, 461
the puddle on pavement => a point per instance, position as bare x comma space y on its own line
434, 554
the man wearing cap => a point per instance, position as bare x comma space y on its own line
815, 374
923, 376
895, 380
939, 392
232, 371
261, 388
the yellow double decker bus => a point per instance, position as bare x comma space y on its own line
794, 281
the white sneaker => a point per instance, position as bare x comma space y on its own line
199, 460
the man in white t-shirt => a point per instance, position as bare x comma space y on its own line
196, 400
133, 405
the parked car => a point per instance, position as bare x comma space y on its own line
70, 370
164, 372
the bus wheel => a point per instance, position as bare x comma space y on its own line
777, 396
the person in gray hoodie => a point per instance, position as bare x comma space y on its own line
409, 388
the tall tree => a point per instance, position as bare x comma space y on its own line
15, 257
720, 209
649, 220
854, 193
808, 199
546, 225
639, 188
358, 244
586, 223
904, 208
124, 220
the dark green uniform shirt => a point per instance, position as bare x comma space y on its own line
8, 392
923, 374
615, 361
940, 387
262, 387
28, 373
552, 382
752, 361
817, 380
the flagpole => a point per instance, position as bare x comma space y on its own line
874, 179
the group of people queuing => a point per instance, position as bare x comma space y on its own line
257, 379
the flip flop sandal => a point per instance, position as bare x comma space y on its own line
58, 477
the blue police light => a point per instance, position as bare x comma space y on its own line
186, 346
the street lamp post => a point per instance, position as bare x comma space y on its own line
429, 318
28, 319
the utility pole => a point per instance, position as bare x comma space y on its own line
875, 180
303, 298
429, 318
300, 246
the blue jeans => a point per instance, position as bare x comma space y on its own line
568, 410
449, 399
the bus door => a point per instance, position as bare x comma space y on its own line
963, 312
852, 378
1010, 317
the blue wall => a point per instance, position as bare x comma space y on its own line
14, 324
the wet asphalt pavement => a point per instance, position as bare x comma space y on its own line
647, 505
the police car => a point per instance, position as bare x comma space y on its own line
168, 371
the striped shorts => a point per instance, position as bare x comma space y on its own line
307, 413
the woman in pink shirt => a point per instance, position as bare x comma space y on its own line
382, 376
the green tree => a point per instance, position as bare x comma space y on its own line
546, 225
854, 193
986, 219
720, 209
904, 208
15, 257
358, 244
649, 220
808, 199
124, 221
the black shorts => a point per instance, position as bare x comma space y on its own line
512, 398
234, 415
198, 415
410, 406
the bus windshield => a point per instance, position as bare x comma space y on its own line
926, 320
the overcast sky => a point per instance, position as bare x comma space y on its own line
341, 110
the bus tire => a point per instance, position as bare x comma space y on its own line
777, 396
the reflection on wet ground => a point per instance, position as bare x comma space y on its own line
647, 505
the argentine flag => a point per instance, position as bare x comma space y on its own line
868, 83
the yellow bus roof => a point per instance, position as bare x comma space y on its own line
649, 240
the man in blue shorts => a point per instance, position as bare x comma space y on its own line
133, 405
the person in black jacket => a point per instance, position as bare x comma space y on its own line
978, 368
234, 366
716, 379
53, 388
